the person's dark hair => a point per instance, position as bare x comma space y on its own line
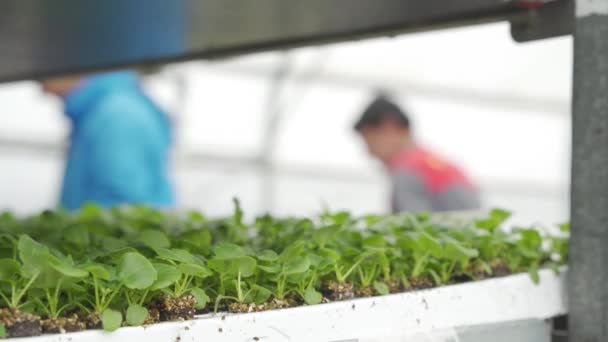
380, 109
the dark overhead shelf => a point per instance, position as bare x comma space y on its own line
41, 38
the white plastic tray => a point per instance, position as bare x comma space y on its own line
386, 318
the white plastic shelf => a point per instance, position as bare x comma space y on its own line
434, 312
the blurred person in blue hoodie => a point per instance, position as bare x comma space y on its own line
119, 143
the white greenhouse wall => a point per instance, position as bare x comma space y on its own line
498, 108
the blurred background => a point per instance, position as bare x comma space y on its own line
275, 129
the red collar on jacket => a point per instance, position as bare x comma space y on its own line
436, 173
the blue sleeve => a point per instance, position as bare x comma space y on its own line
119, 162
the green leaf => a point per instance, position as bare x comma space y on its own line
136, 272
2, 330
531, 237
495, 219
325, 266
78, 236
66, 268
500, 214
117, 255
435, 276
228, 251
136, 314
195, 270
238, 212
457, 252
324, 235
374, 241
262, 294
340, 218
90, 210
109, 244
179, 255
381, 288
296, 266
408, 242
154, 239
272, 268
167, 275
564, 227
245, 265
111, 320
529, 252
533, 271
292, 251
9, 270
268, 255
33, 255
330, 254
98, 271
200, 239
201, 297
486, 267
219, 266
312, 296
430, 244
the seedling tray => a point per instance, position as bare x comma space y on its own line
434, 312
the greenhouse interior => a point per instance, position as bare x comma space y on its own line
238, 176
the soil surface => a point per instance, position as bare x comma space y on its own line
176, 309
421, 283
20, 324
273, 304
395, 286
60, 325
499, 268
463, 278
477, 273
93, 321
335, 291
153, 316
365, 292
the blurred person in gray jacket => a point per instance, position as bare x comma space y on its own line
421, 180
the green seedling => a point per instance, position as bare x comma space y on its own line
111, 320
232, 264
420, 247
52, 274
15, 284
114, 263
455, 259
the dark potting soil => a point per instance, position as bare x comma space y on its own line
475, 272
395, 286
335, 291
499, 268
421, 283
93, 320
153, 316
176, 309
272, 304
241, 307
20, 324
463, 278
367, 291
59, 325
